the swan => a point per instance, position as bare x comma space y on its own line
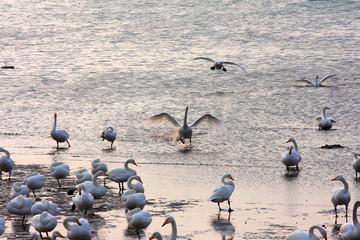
121, 175
54, 235
2, 226
138, 219
109, 134
34, 181
222, 193
316, 83
19, 189
307, 235
133, 188
341, 196
351, 231
325, 123
292, 156
59, 171
185, 130
156, 235
356, 163
83, 200
6, 163
20, 206
83, 175
97, 165
44, 222
77, 229
135, 200
171, 220
219, 64
94, 187
59, 135
44, 206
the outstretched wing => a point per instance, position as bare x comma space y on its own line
213, 121
157, 119
319, 118
205, 58
306, 81
332, 120
228, 62
327, 77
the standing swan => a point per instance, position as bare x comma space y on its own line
138, 219
121, 175
341, 196
185, 130
34, 181
222, 193
307, 235
292, 156
109, 134
59, 135
94, 187
59, 171
83, 200
78, 229
219, 64
20, 206
356, 163
351, 231
6, 163
44, 222
325, 123
316, 83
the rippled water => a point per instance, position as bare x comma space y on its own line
114, 63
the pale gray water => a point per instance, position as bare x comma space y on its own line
113, 63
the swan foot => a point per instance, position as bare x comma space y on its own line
212, 68
224, 69
182, 140
230, 210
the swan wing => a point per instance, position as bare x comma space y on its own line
213, 121
326, 78
332, 120
319, 118
205, 58
232, 63
157, 119
306, 81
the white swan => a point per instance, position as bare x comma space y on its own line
83, 175
307, 235
135, 200
19, 189
83, 200
138, 219
325, 123
59, 135
54, 235
292, 156
171, 220
78, 229
97, 165
20, 206
44, 206
109, 134
156, 235
44, 222
34, 181
219, 64
121, 175
94, 187
351, 231
6, 163
356, 163
316, 83
222, 193
2, 226
59, 171
185, 130
341, 196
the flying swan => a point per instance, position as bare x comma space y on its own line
219, 64
316, 83
325, 123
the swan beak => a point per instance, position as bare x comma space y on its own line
78, 222
54, 114
290, 150
140, 180
327, 108
288, 141
187, 107
166, 222
60, 235
325, 236
79, 191
135, 163
152, 237
232, 178
356, 155
334, 179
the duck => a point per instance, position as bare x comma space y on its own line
356, 163
109, 134
44, 206
302, 235
351, 231
83, 200
6, 163
19, 189
292, 156
83, 175
316, 83
54, 236
185, 131
59, 171
59, 135
34, 181
219, 64
121, 175
77, 229
20, 206
94, 187
222, 193
44, 222
2, 226
325, 123
138, 219
341, 196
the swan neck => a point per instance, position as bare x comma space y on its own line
67, 220
324, 113
346, 185
54, 127
173, 230
185, 117
295, 146
355, 219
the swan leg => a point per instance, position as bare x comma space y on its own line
230, 210
190, 141
224, 69
219, 206
297, 168
212, 68
85, 213
111, 145
9, 175
68, 143
59, 183
137, 231
23, 220
182, 140
57, 145
346, 210
73, 207
335, 212
34, 194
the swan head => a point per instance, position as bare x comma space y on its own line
356, 155
156, 235
55, 115
34, 236
338, 178
132, 161
291, 140
168, 220
57, 234
317, 76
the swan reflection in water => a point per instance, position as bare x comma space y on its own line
223, 226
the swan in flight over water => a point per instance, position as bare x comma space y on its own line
341, 196
292, 156
185, 130
222, 193
317, 83
219, 64
59, 135
325, 123
307, 235
351, 231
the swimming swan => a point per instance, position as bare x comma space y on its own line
219, 64
307, 235
59, 171
351, 231
341, 196
292, 156
185, 130
78, 229
6, 163
222, 193
121, 175
316, 83
325, 123
59, 135
109, 134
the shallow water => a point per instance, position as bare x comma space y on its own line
111, 63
